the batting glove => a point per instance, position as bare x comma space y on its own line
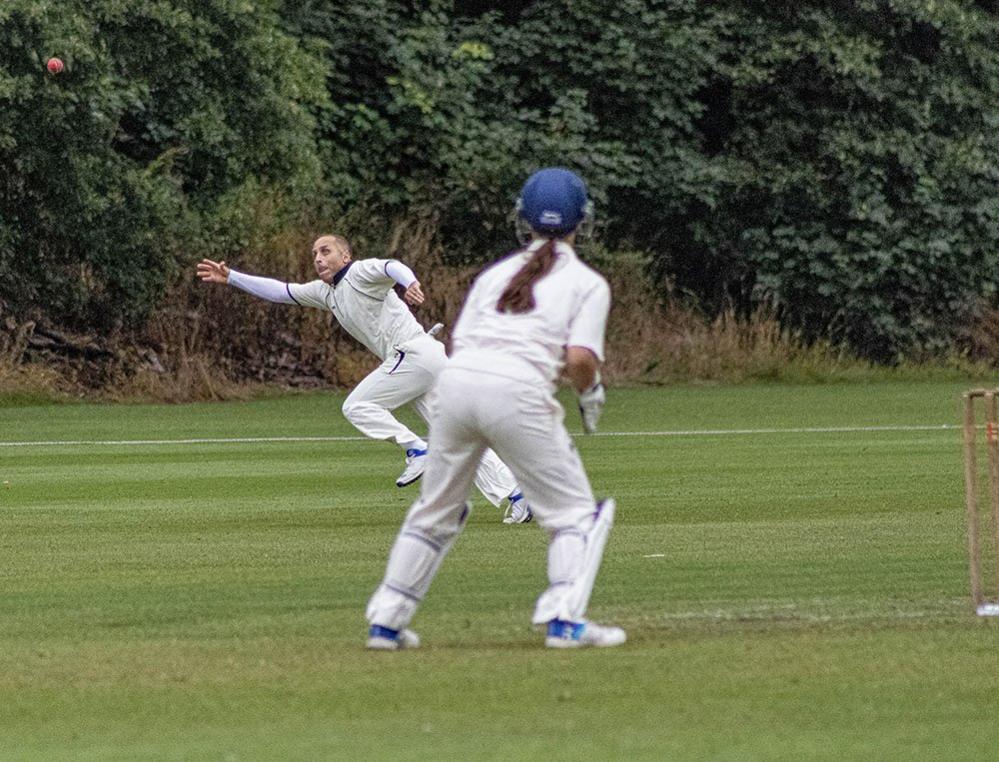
591, 404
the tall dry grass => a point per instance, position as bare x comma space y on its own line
654, 337
210, 342
26, 382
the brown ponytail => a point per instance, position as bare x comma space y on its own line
518, 296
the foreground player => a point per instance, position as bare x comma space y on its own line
361, 296
527, 318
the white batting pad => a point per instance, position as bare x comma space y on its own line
412, 566
390, 608
573, 562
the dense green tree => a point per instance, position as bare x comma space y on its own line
442, 108
861, 157
111, 167
835, 160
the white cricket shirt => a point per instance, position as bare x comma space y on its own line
571, 306
363, 301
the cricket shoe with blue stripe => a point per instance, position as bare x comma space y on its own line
416, 464
563, 634
518, 511
384, 639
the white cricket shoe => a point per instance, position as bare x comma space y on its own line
518, 511
582, 635
416, 464
383, 639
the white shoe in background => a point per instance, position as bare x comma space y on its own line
416, 464
518, 511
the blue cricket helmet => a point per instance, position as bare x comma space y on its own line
553, 201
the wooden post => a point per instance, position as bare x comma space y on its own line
971, 499
992, 447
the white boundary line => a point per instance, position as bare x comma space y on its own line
678, 433
802, 430
220, 440
795, 614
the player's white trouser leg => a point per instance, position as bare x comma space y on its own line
523, 424
493, 479
413, 563
405, 376
409, 376
433, 523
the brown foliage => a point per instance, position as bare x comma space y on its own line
983, 335
212, 342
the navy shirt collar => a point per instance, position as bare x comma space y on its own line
340, 273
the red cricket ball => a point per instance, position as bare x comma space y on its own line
54, 65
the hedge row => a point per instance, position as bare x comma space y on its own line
838, 161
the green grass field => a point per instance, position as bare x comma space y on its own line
789, 591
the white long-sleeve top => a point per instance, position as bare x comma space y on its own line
361, 298
571, 306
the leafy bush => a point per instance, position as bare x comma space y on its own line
834, 162
860, 149
112, 166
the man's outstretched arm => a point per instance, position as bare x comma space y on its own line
263, 288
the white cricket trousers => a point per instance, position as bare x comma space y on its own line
523, 423
408, 375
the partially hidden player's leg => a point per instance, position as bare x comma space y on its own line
539, 451
432, 525
403, 377
496, 481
